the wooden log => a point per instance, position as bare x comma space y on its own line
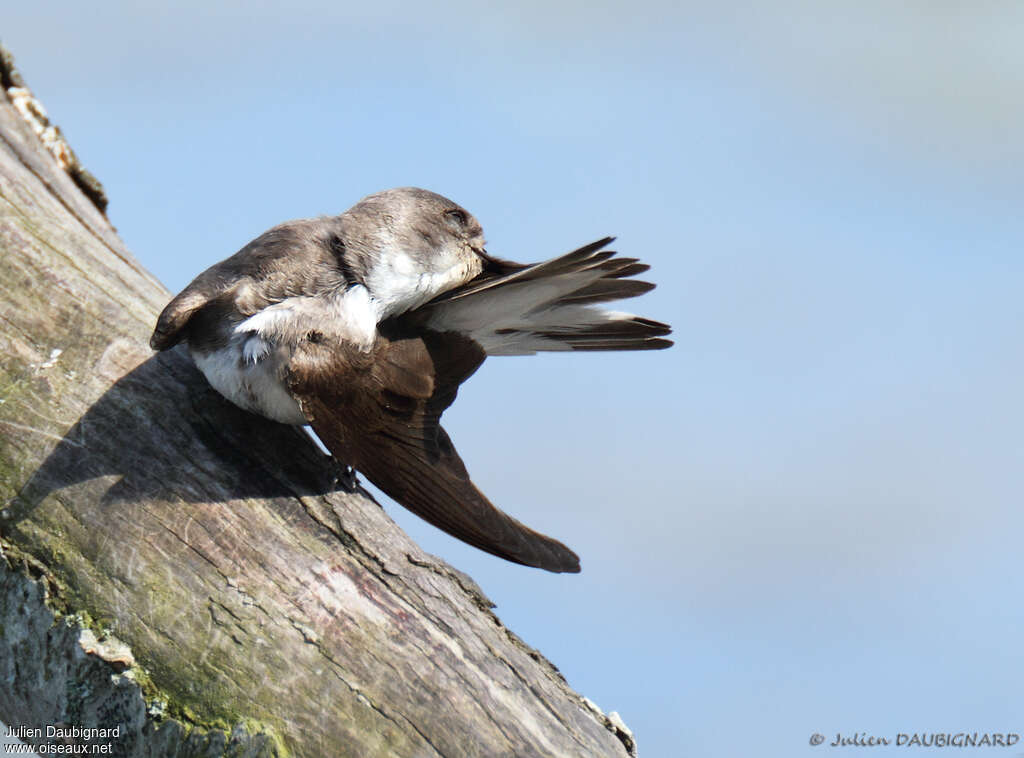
186, 573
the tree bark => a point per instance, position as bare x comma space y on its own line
188, 573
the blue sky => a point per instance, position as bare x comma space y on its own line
805, 516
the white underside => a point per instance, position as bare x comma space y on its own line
400, 284
255, 386
249, 371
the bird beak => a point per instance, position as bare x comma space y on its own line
490, 264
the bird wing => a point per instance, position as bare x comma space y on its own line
380, 413
290, 259
516, 309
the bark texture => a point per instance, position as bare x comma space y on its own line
182, 570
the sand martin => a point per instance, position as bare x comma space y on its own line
364, 325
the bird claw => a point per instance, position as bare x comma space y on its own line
345, 477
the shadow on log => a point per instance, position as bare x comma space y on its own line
186, 574
244, 453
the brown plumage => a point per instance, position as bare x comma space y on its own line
380, 413
365, 324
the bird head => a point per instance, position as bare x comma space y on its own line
408, 245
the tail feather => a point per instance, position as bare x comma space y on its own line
604, 290
522, 310
511, 273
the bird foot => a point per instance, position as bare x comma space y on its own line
343, 476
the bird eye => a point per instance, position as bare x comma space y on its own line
456, 216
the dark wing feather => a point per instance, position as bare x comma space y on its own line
507, 273
294, 258
207, 298
516, 309
381, 415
